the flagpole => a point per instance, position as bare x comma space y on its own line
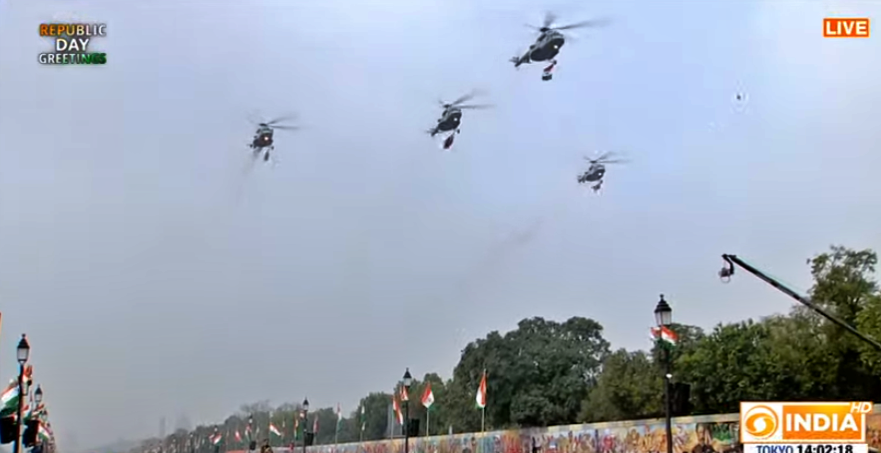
427, 420
483, 419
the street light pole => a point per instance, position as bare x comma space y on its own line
664, 318
408, 380
22, 354
305, 422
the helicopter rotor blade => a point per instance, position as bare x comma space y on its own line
614, 161
549, 19
281, 118
587, 23
603, 156
475, 106
254, 118
286, 128
462, 99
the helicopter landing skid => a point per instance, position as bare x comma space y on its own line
596, 187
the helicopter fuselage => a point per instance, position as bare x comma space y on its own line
449, 121
547, 46
262, 139
593, 174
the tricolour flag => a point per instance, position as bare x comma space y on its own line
215, 440
274, 430
427, 396
44, 433
665, 334
315, 425
238, 436
404, 395
480, 398
9, 399
397, 407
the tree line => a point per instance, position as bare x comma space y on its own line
546, 373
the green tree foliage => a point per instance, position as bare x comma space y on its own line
376, 414
628, 388
539, 373
844, 284
547, 373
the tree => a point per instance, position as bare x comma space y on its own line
630, 387
376, 407
844, 284
538, 374
869, 322
734, 363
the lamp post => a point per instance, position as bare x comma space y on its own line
305, 422
22, 353
408, 380
38, 395
663, 318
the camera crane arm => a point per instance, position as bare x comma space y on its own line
728, 271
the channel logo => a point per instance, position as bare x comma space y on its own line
808, 422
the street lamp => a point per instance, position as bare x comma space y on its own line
38, 396
664, 318
22, 353
408, 380
305, 421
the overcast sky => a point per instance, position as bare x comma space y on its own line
157, 274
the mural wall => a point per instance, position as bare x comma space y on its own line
705, 434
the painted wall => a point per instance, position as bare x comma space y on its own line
705, 434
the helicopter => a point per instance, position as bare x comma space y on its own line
452, 117
597, 170
263, 139
549, 42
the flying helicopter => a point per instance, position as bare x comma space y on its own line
549, 42
597, 170
263, 140
452, 117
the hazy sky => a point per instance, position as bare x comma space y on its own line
155, 274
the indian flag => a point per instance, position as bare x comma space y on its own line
427, 396
274, 430
397, 407
480, 398
9, 398
44, 433
664, 334
215, 440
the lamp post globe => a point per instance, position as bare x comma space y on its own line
23, 351
38, 395
408, 379
663, 313
306, 404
